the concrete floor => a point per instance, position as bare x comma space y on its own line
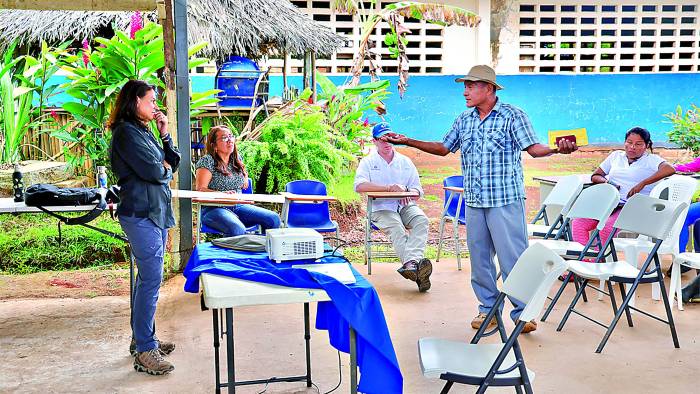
80, 345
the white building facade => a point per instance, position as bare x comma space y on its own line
564, 36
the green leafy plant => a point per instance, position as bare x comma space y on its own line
685, 130
95, 78
29, 243
439, 14
296, 146
345, 106
24, 80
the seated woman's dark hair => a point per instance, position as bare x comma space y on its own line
643, 134
125, 106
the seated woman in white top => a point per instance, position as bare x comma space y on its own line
632, 171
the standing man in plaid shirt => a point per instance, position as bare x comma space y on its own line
491, 135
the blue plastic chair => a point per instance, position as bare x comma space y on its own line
204, 229
453, 210
316, 216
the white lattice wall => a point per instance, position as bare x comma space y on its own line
608, 36
432, 49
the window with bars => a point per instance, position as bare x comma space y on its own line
609, 36
425, 49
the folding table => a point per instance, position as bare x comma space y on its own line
225, 293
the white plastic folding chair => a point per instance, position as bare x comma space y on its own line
596, 202
688, 259
647, 216
560, 198
675, 188
496, 364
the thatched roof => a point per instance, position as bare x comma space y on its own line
242, 27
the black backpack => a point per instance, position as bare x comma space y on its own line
43, 195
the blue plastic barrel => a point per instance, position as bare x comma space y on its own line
237, 78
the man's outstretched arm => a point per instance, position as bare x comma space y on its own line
541, 150
432, 147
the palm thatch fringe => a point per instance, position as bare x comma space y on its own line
250, 28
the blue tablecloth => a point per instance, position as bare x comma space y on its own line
357, 304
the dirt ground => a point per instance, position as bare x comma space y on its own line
68, 331
80, 345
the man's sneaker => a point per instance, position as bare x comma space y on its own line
479, 320
164, 347
409, 270
425, 268
529, 327
152, 362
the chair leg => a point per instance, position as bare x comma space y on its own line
667, 306
628, 312
675, 285
368, 246
572, 305
611, 291
577, 283
556, 297
455, 236
518, 390
601, 286
446, 388
440, 233
623, 308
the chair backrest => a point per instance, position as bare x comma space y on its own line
532, 277
678, 188
454, 181
596, 202
250, 188
564, 193
649, 216
303, 214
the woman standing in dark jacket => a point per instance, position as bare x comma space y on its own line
144, 168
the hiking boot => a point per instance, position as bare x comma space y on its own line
152, 362
479, 320
425, 268
409, 270
164, 347
529, 327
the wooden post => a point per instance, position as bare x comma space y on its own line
307, 69
184, 135
310, 73
313, 75
284, 73
165, 18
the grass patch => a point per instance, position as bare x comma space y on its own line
29, 243
356, 254
430, 176
344, 190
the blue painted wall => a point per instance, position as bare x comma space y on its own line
606, 105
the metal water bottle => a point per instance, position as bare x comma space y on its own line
17, 184
102, 177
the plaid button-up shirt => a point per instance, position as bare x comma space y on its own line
491, 154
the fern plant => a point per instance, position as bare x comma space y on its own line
300, 146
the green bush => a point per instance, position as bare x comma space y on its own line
686, 128
289, 148
29, 243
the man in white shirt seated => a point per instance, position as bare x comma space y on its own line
385, 170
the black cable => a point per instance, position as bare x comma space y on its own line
340, 376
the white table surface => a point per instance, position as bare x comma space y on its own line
222, 292
8, 205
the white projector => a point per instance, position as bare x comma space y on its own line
294, 244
